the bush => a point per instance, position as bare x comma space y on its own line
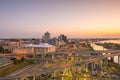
32, 61
16, 61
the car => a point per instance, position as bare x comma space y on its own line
114, 76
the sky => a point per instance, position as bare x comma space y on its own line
74, 18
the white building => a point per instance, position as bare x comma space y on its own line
13, 45
37, 49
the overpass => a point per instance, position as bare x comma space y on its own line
60, 53
30, 70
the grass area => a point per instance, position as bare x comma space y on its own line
14, 68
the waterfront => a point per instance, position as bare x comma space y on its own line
111, 41
97, 47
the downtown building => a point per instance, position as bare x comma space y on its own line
45, 45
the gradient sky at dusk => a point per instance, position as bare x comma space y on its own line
74, 18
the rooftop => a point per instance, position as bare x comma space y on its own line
38, 46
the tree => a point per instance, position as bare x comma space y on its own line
22, 59
1, 49
15, 60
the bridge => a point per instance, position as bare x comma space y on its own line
31, 70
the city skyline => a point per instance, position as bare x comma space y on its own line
75, 19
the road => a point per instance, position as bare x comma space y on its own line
29, 70
66, 65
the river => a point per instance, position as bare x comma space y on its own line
111, 41
96, 47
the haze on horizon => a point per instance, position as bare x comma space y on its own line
80, 18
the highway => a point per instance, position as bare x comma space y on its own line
97, 58
59, 53
29, 71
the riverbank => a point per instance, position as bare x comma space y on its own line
110, 46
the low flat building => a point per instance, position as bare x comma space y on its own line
37, 49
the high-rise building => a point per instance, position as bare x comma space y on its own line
53, 41
46, 37
62, 37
